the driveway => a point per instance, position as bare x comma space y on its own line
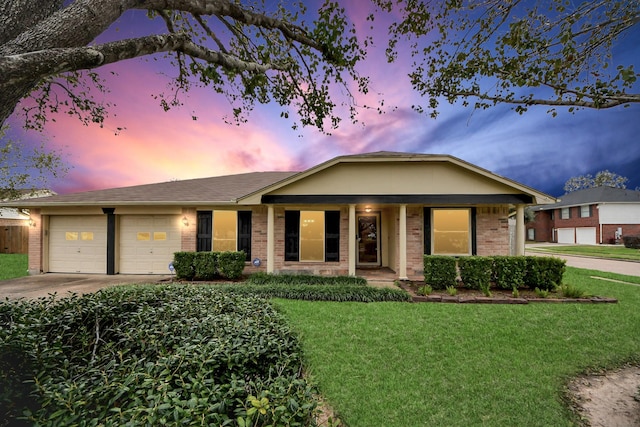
62, 284
629, 268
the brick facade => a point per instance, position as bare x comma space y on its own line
492, 230
35, 242
548, 221
189, 231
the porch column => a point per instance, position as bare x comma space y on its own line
353, 253
403, 243
520, 230
271, 242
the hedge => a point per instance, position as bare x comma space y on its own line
208, 265
440, 271
262, 278
505, 272
338, 293
632, 242
475, 272
151, 355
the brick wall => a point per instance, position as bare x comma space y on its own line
259, 217
543, 226
189, 232
415, 242
492, 230
35, 242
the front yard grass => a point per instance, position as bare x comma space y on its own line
598, 251
13, 265
398, 364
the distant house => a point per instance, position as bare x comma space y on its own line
590, 216
368, 211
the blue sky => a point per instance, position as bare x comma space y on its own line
535, 148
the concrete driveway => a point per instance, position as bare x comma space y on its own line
628, 268
62, 284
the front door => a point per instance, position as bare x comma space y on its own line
368, 239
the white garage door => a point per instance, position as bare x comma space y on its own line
586, 235
78, 244
147, 243
566, 235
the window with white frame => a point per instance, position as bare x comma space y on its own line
564, 213
585, 211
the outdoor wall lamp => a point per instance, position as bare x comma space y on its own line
32, 223
185, 221
367, 209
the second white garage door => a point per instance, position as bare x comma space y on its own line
586, 235
147, 243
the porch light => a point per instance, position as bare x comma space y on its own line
367, 209
32, 223
185, 221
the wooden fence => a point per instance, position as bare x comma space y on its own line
14, 239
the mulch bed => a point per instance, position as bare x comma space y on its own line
498, 296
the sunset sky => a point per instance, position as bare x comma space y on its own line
535, 148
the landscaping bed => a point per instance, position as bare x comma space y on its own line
497, 296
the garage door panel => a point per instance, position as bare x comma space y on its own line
566, 235
148, 242
586, 235
78, 244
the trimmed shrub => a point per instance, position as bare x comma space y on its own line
152, 355
475, 272
183, 264
632, 242
205, 265
544, 273
338, 293
208, 265
231, 264
262, 278
440, 271
509, 271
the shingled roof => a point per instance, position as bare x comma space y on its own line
595, 195
218, 189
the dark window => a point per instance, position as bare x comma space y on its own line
205, 223
244, 233
331, 236
291, 235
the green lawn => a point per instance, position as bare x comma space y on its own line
614, 252
13, 265
399, 364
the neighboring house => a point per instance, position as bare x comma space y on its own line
14, 223
372, 210
590, 216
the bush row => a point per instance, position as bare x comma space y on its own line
632, 242
161, 355
262, 278
340, 293
504, 272
208, 265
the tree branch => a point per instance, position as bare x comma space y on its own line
37, 65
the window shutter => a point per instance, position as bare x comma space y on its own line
244, 233
205, 224
427, 231
332, 236
474, 241
292, 235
